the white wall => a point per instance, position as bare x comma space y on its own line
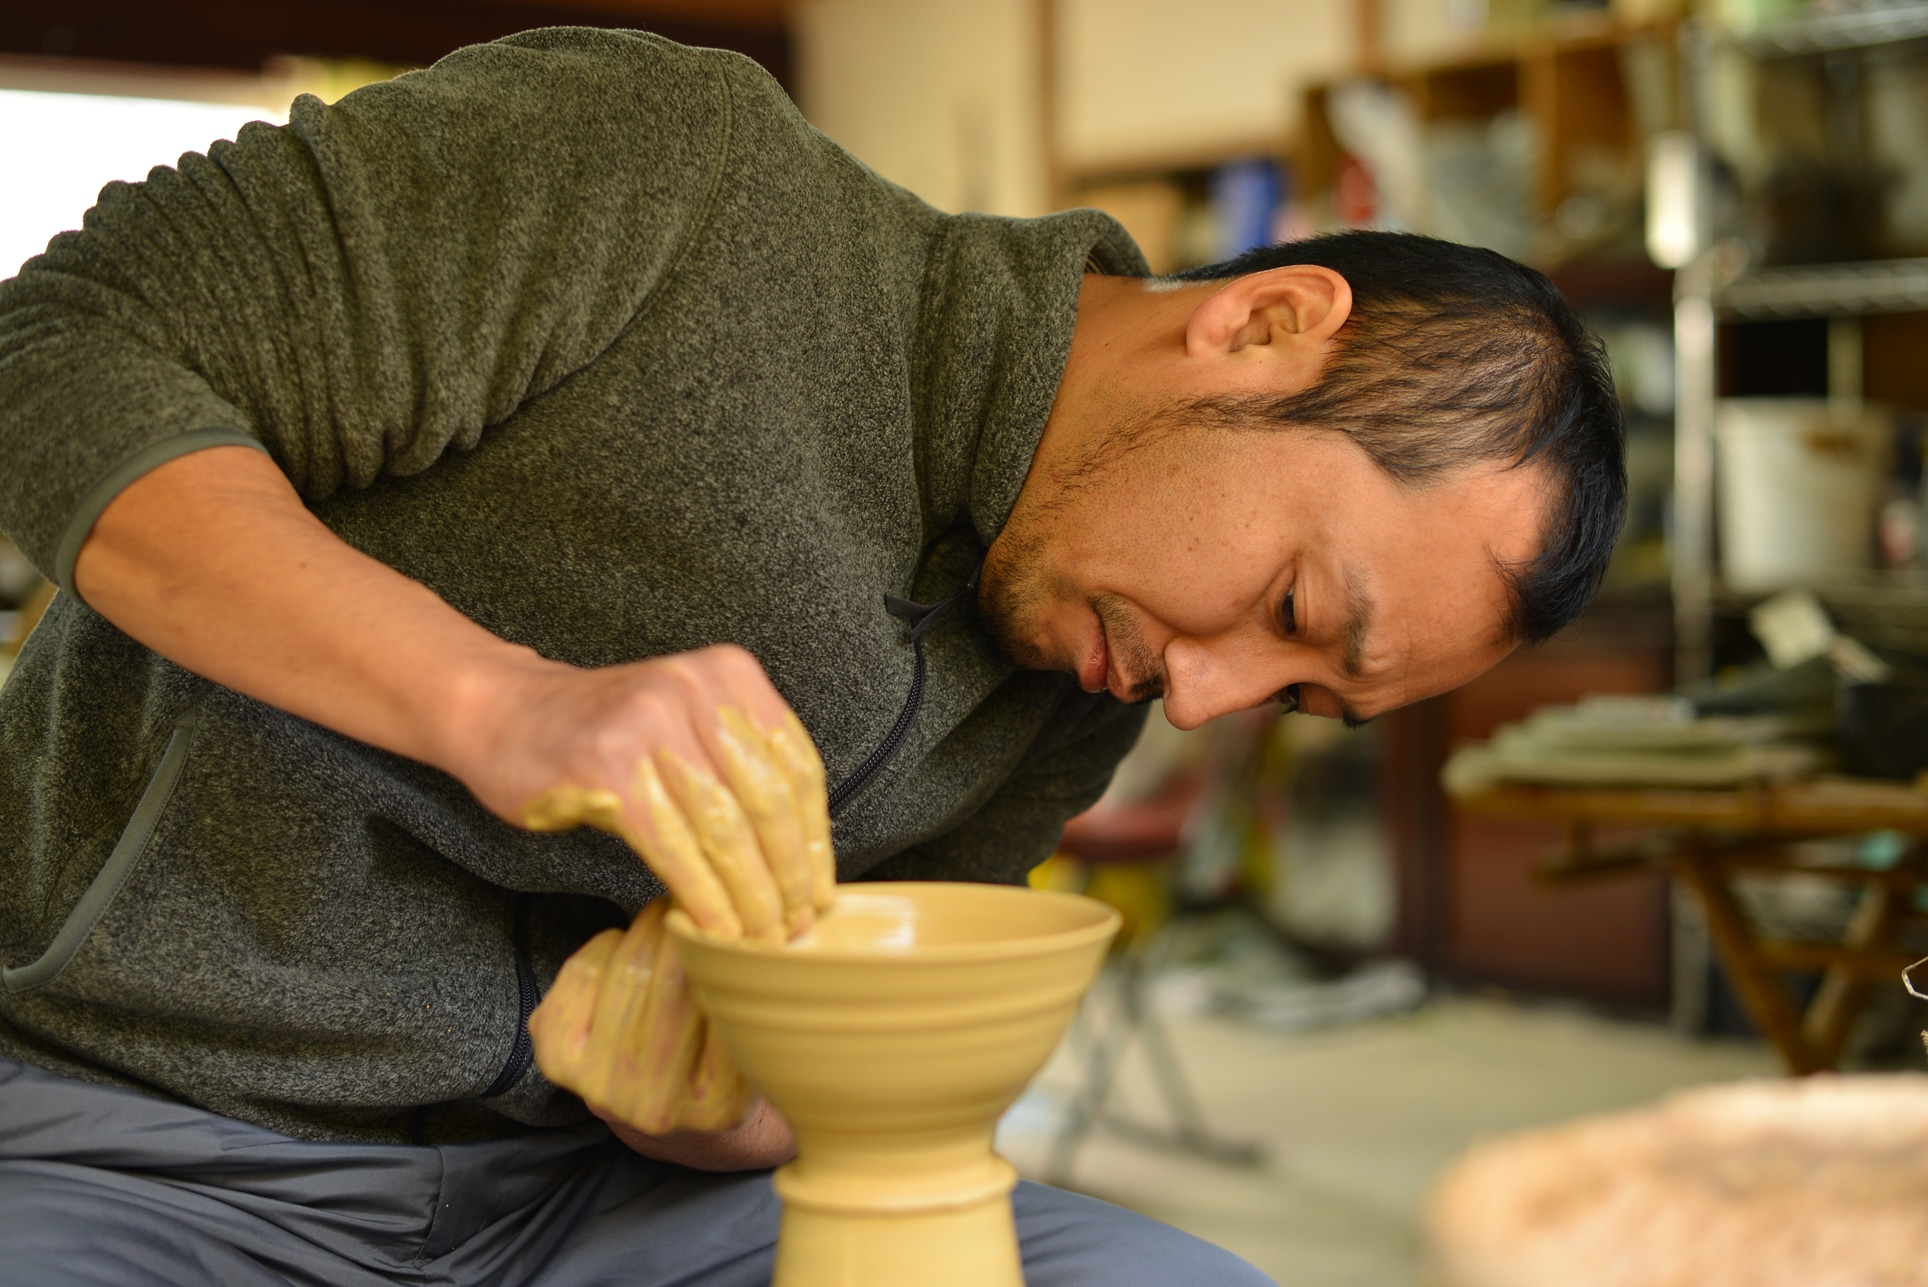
1155, 78
938, 95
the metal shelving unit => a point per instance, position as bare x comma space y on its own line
1874, 24
1826, 290
1713, 286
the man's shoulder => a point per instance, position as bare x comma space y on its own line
575, 60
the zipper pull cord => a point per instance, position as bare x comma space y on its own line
922, 617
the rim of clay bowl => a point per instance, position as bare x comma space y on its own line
683, 927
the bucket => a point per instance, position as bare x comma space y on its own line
1799, 480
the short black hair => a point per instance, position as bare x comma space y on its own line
1455, 355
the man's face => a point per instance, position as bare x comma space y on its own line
1221, 567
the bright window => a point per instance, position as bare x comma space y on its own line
57, 150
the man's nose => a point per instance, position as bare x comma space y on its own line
1206, 678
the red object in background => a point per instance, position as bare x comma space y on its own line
1138, 830
1355, 195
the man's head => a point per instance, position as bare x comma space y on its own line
1356, 470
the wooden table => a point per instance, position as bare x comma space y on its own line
1707, 837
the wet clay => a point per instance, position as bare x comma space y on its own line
620, 1029
748, 854
892, 1035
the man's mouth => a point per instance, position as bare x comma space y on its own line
1119, 661
1094, 672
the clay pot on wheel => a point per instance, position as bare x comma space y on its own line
892, 1036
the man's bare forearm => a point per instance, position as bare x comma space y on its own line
212, 561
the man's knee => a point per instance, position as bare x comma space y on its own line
1069, 1240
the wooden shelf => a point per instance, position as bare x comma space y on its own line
1154, 165
1566, 78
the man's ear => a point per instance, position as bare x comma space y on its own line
1293, 311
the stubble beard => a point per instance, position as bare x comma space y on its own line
1017, 585
1015, 590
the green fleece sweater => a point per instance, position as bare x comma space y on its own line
596, 337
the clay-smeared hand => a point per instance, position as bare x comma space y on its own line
620, 1028
696, 761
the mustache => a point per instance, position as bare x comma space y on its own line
1139, 666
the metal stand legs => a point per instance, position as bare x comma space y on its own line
1131, 976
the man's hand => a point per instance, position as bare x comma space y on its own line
762, 1140
694, 759
621, 1030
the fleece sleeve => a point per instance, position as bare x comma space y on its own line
1062, 775
363, 289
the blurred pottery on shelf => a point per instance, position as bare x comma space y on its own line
1798, 483
892, 1035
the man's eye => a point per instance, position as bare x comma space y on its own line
1288, 614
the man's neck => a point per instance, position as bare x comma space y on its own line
1128, 342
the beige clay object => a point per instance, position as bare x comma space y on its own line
893, 1035
1821, 1182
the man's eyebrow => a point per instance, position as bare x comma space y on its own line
1359, 609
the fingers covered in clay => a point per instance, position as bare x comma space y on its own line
764, 788
729, 841
657, 1031
654, 826
698, 763
793, 749
563, 808
662, 833
559, 1028
621, 1029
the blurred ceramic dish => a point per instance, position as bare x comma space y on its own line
1755, 1184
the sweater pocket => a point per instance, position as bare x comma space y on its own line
113, 874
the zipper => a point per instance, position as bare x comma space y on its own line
523, 1052
922, 617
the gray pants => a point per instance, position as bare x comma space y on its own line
109, 1187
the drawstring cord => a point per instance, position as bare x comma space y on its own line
922, 617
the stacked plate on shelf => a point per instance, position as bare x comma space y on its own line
1613, 740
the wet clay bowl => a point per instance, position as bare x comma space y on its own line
892, 1036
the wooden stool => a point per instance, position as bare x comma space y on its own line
1815, 1183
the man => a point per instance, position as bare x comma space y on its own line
568, 433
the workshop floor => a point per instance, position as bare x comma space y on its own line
1357, 1122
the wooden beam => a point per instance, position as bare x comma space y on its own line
766, 16
1844, 987
1762, 992
243, 34
1047, 27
